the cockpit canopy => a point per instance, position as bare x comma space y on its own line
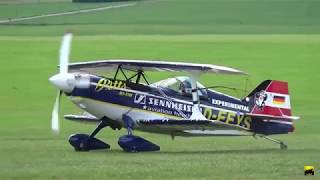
181, 85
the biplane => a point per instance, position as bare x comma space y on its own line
177, 106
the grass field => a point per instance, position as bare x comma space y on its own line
285, 47
169, 17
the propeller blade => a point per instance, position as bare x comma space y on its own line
55, 114
65, 52
63, 64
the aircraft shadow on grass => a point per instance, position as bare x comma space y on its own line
224, 151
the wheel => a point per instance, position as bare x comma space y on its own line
80, 142
283, 146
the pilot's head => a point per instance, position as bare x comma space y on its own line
185, 87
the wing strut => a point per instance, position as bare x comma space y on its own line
196, 112
138, 74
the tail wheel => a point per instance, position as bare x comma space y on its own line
283, 146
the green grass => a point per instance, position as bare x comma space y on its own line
267, 39
30, 150
172, 17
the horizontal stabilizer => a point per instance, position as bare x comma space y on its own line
265, 116
218, 133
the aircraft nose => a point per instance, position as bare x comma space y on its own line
63, 81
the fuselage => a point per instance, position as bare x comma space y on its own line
113, 98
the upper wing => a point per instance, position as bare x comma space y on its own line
93, 66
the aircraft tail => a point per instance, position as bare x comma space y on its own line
271, 99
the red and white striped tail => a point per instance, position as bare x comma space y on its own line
272, 99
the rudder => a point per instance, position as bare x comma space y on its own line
272, 98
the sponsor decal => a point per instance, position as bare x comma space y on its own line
230, 105
140, 99
308, 170
162, 105
260, 99
127, 94
169, 104
279, 99
109, 84
228, 117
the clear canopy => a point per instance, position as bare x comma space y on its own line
180, 84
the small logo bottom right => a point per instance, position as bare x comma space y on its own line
308, 170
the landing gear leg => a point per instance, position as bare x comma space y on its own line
131, 143
101, 125
283, 146
84, 142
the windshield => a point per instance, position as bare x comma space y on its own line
181, 85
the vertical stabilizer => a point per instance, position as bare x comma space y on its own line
272, 98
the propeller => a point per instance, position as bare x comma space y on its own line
65, 53
55, 114
59, 78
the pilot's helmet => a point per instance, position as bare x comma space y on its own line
185, 87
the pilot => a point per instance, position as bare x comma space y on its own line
185, 88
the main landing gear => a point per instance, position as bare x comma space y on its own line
129, 142
283, 146
84, 142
